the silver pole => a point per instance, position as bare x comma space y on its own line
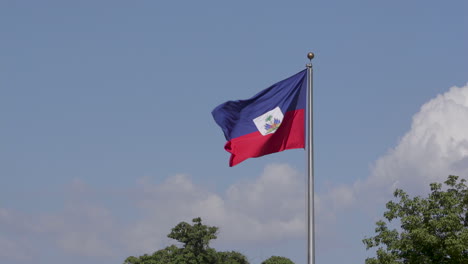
310, 165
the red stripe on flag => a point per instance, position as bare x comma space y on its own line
290, 135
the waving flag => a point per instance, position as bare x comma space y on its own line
271, 121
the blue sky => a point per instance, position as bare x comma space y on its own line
107, 139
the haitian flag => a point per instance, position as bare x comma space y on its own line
271, 121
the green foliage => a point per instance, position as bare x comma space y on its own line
277, 260
195, 250
196, 239
231, 257
432, 229
163, 256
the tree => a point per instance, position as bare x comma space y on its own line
163, 256
231, 257
196, 239
277, 260
432, 229
195, 250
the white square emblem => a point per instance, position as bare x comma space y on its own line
269, 122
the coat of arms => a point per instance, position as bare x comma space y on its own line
272, 124
269, 122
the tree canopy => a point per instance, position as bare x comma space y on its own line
195, 248
277, 260
431, 230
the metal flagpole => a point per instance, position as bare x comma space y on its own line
310, 166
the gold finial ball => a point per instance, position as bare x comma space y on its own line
310, 55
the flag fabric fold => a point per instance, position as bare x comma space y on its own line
271, 121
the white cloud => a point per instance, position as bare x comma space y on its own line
88, 244
12, 246
80, 229
435, 146
268, 208
14, 249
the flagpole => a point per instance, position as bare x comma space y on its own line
310, 165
